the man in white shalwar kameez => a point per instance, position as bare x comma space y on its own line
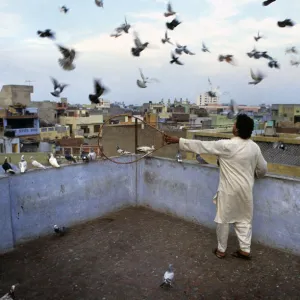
240, 162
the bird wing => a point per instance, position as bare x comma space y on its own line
62, 86
209, 81
254, 77
55, 83
137, 40
65, 52
169, 7
178, 46
166, 35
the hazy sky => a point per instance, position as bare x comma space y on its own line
226, 26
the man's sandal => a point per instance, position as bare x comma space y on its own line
238, 254
219, 254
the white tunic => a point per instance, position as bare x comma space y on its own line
240, 160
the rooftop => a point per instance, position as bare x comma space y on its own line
124, 256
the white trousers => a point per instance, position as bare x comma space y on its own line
243, 232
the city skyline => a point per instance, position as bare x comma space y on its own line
226, 29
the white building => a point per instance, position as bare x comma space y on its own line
205, 99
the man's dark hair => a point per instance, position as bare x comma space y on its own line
245, 126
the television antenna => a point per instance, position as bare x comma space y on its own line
29, 82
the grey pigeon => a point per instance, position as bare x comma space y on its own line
123, 27
68, 57
166, 39
139, 46
46, 33
57, 87
268, 2
64, 9
11, 294
291, 50
122, 152
258, 37
286, 23
274, 64
99, 91
168, 277
201, 160
257, 78
59, 230
204, 48
295, 62
173, 24
99, 3
233, 110
170, 11
175, 60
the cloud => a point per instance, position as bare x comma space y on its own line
10, 24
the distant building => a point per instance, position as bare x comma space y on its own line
205, 99
51, 133
9, 145
286, 112
15, 94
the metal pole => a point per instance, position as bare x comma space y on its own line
136, 135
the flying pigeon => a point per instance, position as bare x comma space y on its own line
258, 37
286, 23
166, 39
57, 87
274, 64
170, 11
115, 35
64, 9
212, 93
23, 164
228, 58
142, 83
139, 46
53, 162
11, 294
233, 110
59, 230
184, 49
99, 91
123, 27
295, 62
92, 155
68, 57
168, 277
7, 167
70, 157
265, 55
36, 164
145, 149
175, 60
122, 152
204, 48
85, 157
173, 24
179, 157
291, 50
256, 77
267, 2
99, 3
47, 33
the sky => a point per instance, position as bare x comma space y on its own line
226, 27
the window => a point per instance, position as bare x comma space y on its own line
43, 129
50, 129
1, 148
96, 128
85, 129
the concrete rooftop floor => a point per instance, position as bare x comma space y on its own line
125, 255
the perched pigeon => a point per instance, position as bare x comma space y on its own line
59, 230
274, 64
85, 157
53, 162
7, 167
256, 77
166, 39
201, 160
11, 294
145, 149
267, 2
122, 152
291, 50
99, 3
204, 48
92, 155
64, 9
57, 87
170, 11
258, 37
168, 277
68, 57
47, 33
99, 91
70, 157
286, 23
233, 110
228, 58
179, 157
175, 60
279, 145
173, 24
139, 46
23, 164
36, 164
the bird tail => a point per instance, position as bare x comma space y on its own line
11, 171
163, 41
172, 61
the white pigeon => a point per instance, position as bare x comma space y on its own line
23, 164
145, 149
179, 156
92, 155
122, 152
36, 163
168, 277
11, 294
234, 110
53, 162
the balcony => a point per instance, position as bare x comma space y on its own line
122, 254
25, 131
20, 116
